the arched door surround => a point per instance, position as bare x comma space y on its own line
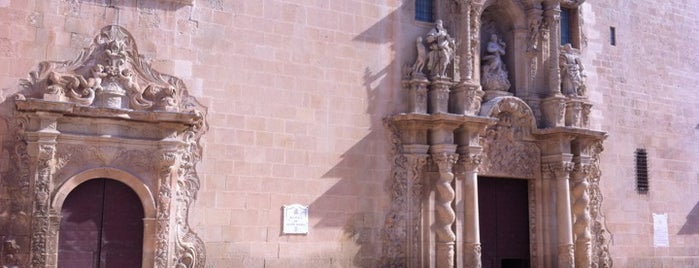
121, 120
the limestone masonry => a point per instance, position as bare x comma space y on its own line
349, 133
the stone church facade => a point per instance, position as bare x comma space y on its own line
444, 133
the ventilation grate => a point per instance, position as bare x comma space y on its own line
642, 171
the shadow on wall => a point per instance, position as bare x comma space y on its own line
358, 202
691, 226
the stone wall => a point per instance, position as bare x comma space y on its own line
296, 92
645, 95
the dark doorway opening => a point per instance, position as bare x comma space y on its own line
101, 226
504, 222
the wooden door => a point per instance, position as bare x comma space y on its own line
101, 226
504, 222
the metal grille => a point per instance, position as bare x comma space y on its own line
423, 10
642, 171
566, 24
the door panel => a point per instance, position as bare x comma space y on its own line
101, 226
504, 222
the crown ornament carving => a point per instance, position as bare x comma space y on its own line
109, 74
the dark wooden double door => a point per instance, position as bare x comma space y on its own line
101, 226
504, 222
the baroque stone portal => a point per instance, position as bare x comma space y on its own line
106, 114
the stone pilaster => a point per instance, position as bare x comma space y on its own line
168, 159
416, 161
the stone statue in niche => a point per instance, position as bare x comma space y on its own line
493, 70
11, 258
441, 52
572, 76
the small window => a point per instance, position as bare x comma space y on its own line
566, 26
423, 10
642, 171
612, 36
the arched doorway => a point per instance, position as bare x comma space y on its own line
101, 226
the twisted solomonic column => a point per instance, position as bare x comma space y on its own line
445, 214
581, 213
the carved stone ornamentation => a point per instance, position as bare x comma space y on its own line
504, 153
601, 257
108, 74
105, 114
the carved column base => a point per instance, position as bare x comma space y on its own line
583, 253
573, 113
553, 110
565, 256
417, 94
466, 99
472, 254
439, 96
445, 254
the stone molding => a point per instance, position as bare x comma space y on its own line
108, 114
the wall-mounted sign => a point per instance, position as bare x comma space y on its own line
295, 219
660, 233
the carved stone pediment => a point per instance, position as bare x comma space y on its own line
109, 74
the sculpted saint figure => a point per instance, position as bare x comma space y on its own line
493, 71
572, 76
441, 49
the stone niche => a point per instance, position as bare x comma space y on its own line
105, 114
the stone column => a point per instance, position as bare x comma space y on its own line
468, 223
444, 158
581, 213
559, 169
475, 40
469, 160
552, 19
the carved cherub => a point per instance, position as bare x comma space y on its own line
97, 75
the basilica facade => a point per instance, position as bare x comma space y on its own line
415, 133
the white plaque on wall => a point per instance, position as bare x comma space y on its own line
660, 234
295, 219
